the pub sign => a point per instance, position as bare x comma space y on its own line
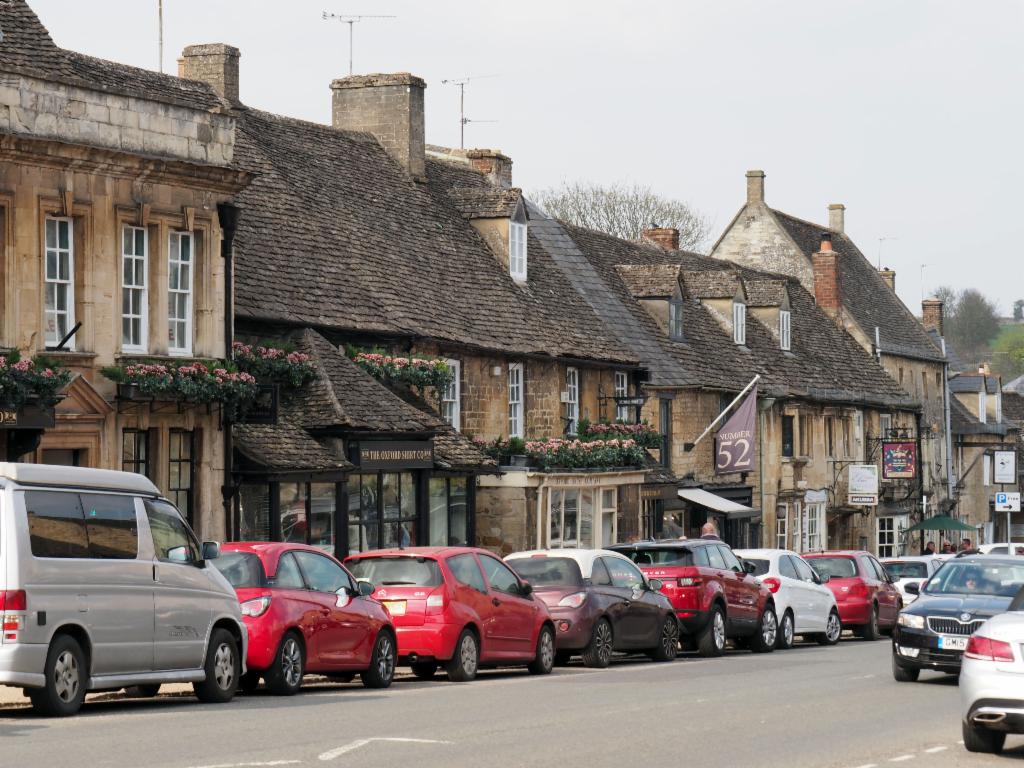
899, 460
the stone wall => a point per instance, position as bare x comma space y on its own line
755, 240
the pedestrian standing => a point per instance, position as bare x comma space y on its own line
929, 548
709, 531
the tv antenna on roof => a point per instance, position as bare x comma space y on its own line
461, 83
351, 21
160, 18
880, 241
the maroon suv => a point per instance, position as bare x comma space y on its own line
714, 597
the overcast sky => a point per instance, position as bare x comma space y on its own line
908, 112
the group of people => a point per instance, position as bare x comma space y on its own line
947, 548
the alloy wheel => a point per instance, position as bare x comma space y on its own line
834, 628
719, 630
787, 630
66, 676
670, 638
769, 628
386, 658
547, 649
467, 655
224, 666
603, 641
291, 662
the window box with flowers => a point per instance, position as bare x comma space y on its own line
644, 434
30, 382
413, 371
193, 382
274, 365
508, 453
556, 453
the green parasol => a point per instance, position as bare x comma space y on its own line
940, 523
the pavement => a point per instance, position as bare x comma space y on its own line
821, 707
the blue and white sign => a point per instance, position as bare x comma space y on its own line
1007, 502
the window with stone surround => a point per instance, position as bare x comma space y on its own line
983, 405
782, 526
60, 280
572, 399
517, 251
739, 322
785, 329
180, 273
515, 400
787, 436
806, 435
134, 289
622, 390
181, 471
451, 396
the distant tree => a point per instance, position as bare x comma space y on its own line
1008, 352
971, 324
1018, 310
624, 211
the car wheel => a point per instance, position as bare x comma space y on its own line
904, 675
785, 638
767, 632
562, 658
222, 667
249, 682
142, 691
462, 666
381, 671
712, 640
833, 629
982, 739
66, 678
870, 630
668, 641
544, 659
425, 670
598, 652
284, 678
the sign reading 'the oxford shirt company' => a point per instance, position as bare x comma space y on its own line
396, 454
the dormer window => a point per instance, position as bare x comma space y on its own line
675, 318
785, 329
983, 405
739, 322
517, 251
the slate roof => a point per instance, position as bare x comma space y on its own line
284, 447
335, 235
454, 451
649, 281
964, 422
1017, 385
704, 284
866, 296
28, 49
953, 359
765, 292
1013, 408
493, 203
973, 383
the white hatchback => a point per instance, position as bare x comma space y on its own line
804, 605
912, 570
991, 694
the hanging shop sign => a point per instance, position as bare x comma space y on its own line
899, 460
396, 454
863, 489
1004, 470
29, 416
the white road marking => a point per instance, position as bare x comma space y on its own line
352, 746
250, 765
862, 677
901, 758
868, 765
933, 750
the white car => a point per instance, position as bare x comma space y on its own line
991, 694
912, 570
1001, 549
804, 605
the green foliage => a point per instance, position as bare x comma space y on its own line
193, 382
274, 365
414, 371
1008, 352
34, 379
971, 323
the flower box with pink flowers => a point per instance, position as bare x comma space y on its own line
24, 381
192, 381
415, 371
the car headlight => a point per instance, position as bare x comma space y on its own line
911, 620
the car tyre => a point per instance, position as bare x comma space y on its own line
712, 640
833, 629
284, 678
598, 652
425, 670
223, 669
668, 641
66, 679
767, 632
785, 638
544, 659
142, 691
381, 671
462, 666
870, 630
904, 675
982, 739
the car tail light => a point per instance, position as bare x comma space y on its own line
435, 602
690, 581
575, 600
859, 589
772, 583
255, 607
13, 600
986, 649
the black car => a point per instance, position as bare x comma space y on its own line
932, 632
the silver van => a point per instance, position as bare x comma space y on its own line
103, 586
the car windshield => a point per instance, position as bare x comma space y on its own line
834, 567
760, 566
397, 571
548, 571
242, 569
674, 556
905, 570
960, 578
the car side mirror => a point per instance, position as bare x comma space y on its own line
525, 588
824, 579
211, 550
655, 585
912, 588
748, 567
365, 588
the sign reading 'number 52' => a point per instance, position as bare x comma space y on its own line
734, 443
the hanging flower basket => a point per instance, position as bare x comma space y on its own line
193, 382
274, 365
37, 380
579, 454
644, 434
414, 371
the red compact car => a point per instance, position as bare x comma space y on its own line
458, 606
305, 613
868, 601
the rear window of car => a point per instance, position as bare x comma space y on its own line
834, 567
668, 556
243, 570
397, 571
760, 566
548, 571
906, 570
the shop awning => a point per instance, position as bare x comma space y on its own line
715, 502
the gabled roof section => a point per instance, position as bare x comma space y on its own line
650, 281
964, 422
284, 447
866, 296
974, 383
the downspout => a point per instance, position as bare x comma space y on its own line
540, 500
950, 482
227, 214
760, 481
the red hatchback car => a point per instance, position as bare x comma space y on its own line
867, 599
305, 613
460, 607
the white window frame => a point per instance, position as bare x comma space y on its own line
983, 405
595, 523
675, 319
517, 264
451, 396
515, 400
141, 289
174, 242
782, 526
888, 533
622, 412
884, 425
785, 329
54, 281
739, 322
572, 402
986, 470
814, 534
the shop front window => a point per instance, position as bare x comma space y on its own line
322, 504
382, 511
293, 512
584, 518
449, 512
254, 513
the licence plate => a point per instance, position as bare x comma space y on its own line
397, 607
952, 643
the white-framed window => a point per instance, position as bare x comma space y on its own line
884, 425
999, 407
515, 400
451, 396
180, 268
986, 470
813, 537
782, 526
517, 251
59, 280
785, 329
888, 534
983, 406
675, 319
572, 399
739, 322
584, 517
622, 412
134, 289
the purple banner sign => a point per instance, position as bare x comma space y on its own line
734, 442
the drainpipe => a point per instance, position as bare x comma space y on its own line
950, 483
540, 519
227, 214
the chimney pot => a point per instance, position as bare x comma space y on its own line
837, 217
827, 292
826, 242
215, 64
755, 187
889, 276
932, 315
663, 237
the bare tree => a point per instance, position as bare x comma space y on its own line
972, 322
624, 210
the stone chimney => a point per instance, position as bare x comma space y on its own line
889, 275
837, 217
931, 315
389, 106
215, 64
493, 164
826, 278
663, 237
755, 187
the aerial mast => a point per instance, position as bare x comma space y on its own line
351, 21
461, 83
